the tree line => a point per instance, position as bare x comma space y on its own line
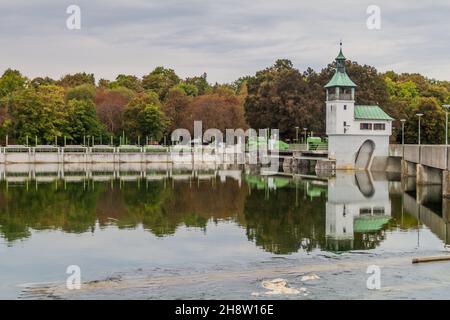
150, 107
283, 97
129, 109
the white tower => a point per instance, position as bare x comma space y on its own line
340, 99
358, 136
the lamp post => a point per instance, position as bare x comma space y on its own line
446, 107
305, 132
420, 116
403, 130
296, 134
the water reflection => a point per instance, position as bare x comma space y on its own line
281, 215
357, 209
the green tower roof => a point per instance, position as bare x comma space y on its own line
369, 224
340, 55
340, 78
371, 113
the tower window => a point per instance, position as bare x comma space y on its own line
345, 107
365, 126
379, 126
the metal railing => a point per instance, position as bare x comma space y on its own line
341, 96
317, 146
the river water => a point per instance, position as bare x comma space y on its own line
204, 232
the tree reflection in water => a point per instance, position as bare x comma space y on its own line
280, 215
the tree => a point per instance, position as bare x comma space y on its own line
11, 80
104, 83
432, 124
239, 83
176, 106
143, 116
277, 99
39, 113
127, 81
160, 81
412, 93
82, 120
217, 110
200, 83
110, 105
39, 81
81, 92
77, 79
189, 89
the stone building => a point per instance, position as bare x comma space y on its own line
356, 134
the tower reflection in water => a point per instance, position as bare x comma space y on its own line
356, 210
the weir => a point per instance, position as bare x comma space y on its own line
428, 164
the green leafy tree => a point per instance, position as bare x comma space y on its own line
11, 80
81, 92
104, 83
413, 93
77, 79
200, 82
127, 81
160, 81
39, 81
432, 124
82, 121
189, 89
143, 116
39, 113
239, 83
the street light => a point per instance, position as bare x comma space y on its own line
446, 106
296, 134
306, 131
420, 116
403, 130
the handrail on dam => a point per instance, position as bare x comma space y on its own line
122, 153
83, 154
83, 149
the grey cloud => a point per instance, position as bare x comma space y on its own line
226, 39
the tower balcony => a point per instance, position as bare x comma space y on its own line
340, 96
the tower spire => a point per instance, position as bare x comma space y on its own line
340, 60
340, 78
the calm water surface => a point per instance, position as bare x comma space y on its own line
205, 221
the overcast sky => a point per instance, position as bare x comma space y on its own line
226, 39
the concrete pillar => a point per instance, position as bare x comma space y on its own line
446, 184
408, 183
446, 209
288, 164
408, 168
322, 165
428, 194
427, 175
410, 205
446, 218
